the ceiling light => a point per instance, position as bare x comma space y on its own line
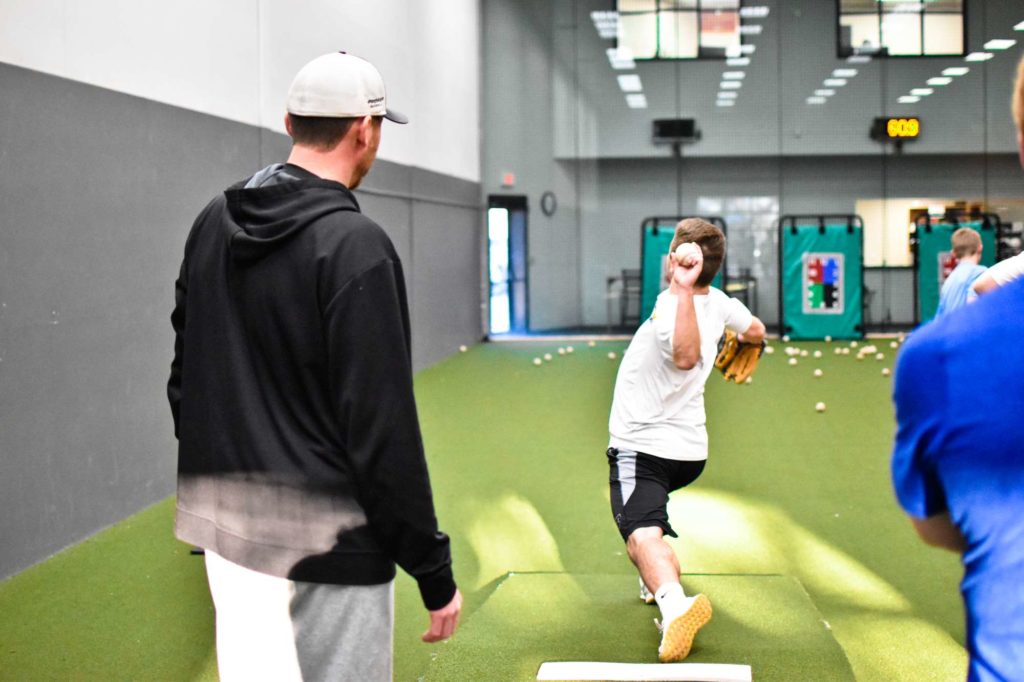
956, 71
751, 29
636, 101
733, 75
834, 82
859, 59
1018, 27
620, 58
630, 82
979, 57
728, 95
844, 73
909, 99
747, 49
824, 93
759, 12
999, 44
940, 80
725, 103
730, 85
817, 100
921, 92
738, 61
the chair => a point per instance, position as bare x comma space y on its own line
629, 302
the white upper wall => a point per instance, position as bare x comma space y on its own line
236, 58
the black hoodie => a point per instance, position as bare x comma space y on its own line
299, 449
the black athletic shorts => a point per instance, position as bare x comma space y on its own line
640, 486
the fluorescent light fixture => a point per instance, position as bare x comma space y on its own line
620, 58
1018, 27
909, 99
844, 73
748, 49
824, 93
921, 92
940, 80
834, 82
732, 94
738, 61
760, 12
725, 103
859, 59
936, 209
817, 100
751, 29
999, 44
979, 57
734, 75
730, 85
956, 71
636, 101
630, 82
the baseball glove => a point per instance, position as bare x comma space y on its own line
737, 359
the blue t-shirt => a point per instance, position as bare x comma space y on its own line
954, 290
959, 394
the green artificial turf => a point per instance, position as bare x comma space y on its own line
516, 455
536, 617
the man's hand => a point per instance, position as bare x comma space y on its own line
686, 268
444, 621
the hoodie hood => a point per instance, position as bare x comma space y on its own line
277, 203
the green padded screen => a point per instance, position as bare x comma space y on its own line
656, 242
822, 282
935, 260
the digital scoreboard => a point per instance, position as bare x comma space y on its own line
896, 128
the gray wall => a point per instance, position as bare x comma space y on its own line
554, 114
97, 192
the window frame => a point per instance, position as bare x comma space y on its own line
699, 11
881, 36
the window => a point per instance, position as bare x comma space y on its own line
679, 29
901, 28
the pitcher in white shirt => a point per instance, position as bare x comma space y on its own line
658, 441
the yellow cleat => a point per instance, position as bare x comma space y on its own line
677, 635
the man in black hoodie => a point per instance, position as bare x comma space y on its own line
301, 469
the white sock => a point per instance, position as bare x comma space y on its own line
671, 600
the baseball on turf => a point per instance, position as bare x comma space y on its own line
611, 355
785, 338
885, 371
818, 372
817, 353
538, 361
547, 356
561, 351
803, 354
880, 356
792, 361
820, 407
828, 339
569, 349
462, 349
769, 349
893, 344
591, 343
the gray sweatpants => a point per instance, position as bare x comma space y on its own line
271, 628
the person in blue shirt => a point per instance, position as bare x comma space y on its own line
958, 460
956, 290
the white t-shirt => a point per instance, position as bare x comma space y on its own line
1007, 270
658, 408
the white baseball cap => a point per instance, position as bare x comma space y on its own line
340, 85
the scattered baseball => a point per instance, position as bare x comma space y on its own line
462, 349
880, 356
885, 372
591, 343
769, 349
804, 354
611, 355
569, 349
828, 339
846, 351
785, 338
818, 372
538, 361
853, 344
820, 407
547, 356
839, 351
792, 361
749, 380
561, 351
893, 344
817, 353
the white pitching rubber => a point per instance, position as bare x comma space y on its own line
656, 672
